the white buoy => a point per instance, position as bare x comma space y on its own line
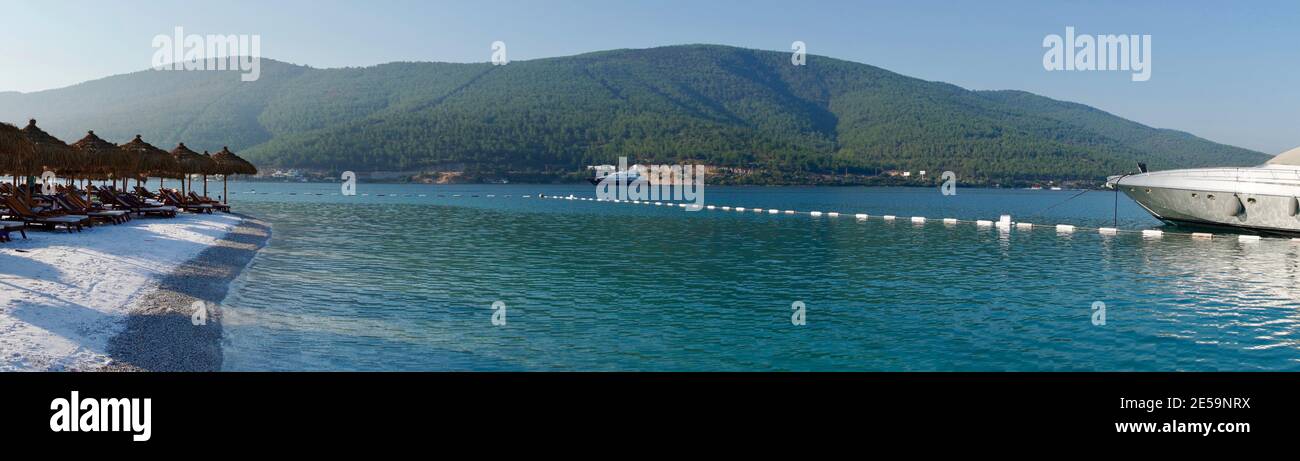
815, 213
1108, 231
983, 223
789, 211
1024, 226
889, 217
773, 211
862, 216
1202, 235
1064, 228
833, 214
659, 203
710, 207
740, 208
949, 221
1152, 233
1248, 238
918, 220
726, 208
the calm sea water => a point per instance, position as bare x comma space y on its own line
406, 281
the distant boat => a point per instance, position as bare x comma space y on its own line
1056, 188
1262, 198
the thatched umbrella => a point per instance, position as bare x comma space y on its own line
15, 150
54, 154
150, 160
105, 158
228, 164
190, 162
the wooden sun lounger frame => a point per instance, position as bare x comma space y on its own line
171, 198
77, 201
207, 201
113, 200
118, 217
7, 227
53, 220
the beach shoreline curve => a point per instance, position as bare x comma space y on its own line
162, 332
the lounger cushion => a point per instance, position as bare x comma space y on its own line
73, 219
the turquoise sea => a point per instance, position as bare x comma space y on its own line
404, 277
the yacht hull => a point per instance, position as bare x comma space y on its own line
1262, 200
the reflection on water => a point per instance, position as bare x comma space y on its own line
405, 282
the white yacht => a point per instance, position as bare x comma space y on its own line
1260, 199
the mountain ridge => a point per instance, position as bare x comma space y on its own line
721, 105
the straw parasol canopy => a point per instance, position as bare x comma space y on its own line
190, 162
104, 157
51, 153
230, 164
15, 149
150, 160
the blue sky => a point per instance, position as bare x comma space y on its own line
1227, 71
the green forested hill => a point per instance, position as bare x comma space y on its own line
714, 104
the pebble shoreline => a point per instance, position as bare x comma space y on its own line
159, 334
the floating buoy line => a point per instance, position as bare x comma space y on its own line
1004, 223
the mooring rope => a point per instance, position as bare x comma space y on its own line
1044, 210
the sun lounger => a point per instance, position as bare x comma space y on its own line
142, 192
7, 227
112, 216
75, 199
173, 199
126, 202
196, 198
70, 222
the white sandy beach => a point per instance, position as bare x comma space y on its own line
65, 295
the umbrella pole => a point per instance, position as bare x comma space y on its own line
205, 185
225, 196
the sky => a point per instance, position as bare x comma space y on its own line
1225, 71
